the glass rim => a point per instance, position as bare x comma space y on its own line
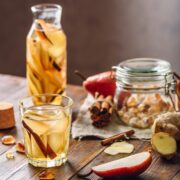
46, 7
70, 103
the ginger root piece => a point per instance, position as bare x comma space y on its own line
169, 123
164, 144
119, 147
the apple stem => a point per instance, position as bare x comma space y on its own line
176, 75
80, 75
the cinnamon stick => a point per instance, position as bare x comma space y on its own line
101, 110
95, 109
45, 151
37, 138
104, 107
117, 137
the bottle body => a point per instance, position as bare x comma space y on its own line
46, 58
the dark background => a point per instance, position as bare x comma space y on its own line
100, 33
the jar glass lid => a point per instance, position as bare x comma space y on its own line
143, 74
144, 66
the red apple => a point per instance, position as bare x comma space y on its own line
129, 166
102, 83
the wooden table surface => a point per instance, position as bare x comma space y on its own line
82, 154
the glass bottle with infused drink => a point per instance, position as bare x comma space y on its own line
46, 51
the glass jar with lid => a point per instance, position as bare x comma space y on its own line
145, 88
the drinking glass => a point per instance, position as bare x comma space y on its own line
46, 121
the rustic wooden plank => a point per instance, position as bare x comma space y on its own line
10, 85
103, 158
177, 176
82, 154
159, 169
78, 157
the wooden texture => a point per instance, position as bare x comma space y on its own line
82, 154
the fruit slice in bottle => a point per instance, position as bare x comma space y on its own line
51, 33
33, 80
34, 55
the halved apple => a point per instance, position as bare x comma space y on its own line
128, 166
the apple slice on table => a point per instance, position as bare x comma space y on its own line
129, 166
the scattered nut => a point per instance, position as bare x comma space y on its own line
46, 175
8, 140
20, 147
9, 155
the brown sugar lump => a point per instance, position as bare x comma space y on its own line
7, 119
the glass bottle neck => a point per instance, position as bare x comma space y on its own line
50, 13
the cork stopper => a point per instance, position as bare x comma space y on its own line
7, 119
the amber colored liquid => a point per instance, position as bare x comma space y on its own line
46, 59
46, 135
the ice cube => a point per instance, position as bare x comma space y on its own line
61, 124
56, 142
